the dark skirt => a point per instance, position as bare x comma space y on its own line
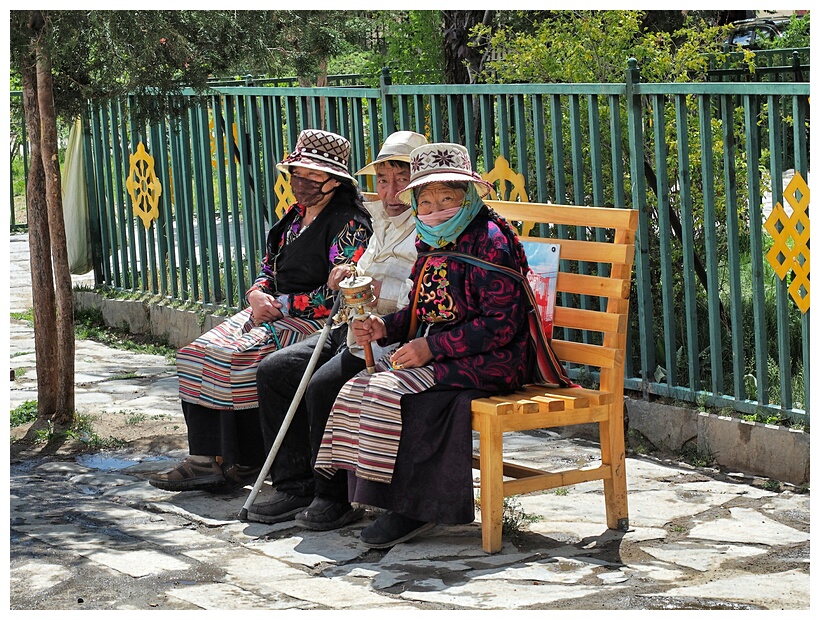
433, 478
235, 435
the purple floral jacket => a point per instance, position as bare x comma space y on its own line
478, 330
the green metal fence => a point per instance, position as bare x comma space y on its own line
702, 163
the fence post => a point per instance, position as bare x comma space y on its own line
636, 171
388, 118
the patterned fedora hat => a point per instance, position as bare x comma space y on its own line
320, 150
397, 147
440, 162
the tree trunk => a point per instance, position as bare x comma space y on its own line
458, 56
42, 278
64, 414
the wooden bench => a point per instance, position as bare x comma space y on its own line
536, 407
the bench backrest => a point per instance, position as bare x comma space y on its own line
592, 299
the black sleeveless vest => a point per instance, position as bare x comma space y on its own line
303, 264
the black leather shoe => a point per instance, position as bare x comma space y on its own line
325, 514
282, 507
391, 529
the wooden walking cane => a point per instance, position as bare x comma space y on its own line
297, 398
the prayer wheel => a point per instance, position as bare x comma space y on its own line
358, 293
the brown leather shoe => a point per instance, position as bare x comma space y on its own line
195, 473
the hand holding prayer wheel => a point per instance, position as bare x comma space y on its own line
358, 293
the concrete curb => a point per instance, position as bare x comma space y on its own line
177, 325
761, 449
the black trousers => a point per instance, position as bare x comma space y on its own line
277, 381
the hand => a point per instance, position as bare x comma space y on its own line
414, 354
337, 274
368, 329
265, 308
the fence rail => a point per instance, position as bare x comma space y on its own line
703, 163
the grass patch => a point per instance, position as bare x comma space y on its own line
136, 418
90, 325
122, 376
81, 429
22, 414
513, 517
692, 455
27, 316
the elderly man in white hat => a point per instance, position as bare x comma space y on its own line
391, 252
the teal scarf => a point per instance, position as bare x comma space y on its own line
447, 232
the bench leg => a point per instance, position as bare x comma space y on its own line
613, 453
491, 466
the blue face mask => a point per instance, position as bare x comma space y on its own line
447, 232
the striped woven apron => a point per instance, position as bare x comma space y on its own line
218, 369
363, 431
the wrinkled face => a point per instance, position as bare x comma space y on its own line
391, 178
435, 197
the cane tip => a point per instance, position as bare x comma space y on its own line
243, 514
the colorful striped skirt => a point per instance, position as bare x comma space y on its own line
363, 431
218, 369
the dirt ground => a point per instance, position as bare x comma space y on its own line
158, 435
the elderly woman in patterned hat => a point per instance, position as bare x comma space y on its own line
290, 299
404, 433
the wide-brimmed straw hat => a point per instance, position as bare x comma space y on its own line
320, 150
397, 147
438, 163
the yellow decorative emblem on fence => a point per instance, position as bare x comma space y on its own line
503, 174
511, 186
790, 251
143, 186
284, 195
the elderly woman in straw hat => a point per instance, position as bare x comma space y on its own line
290, 299
404, 433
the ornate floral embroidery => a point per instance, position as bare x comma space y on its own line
436, 304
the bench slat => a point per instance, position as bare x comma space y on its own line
502, 406
597, 286
571, 400
589, 251
596, 397
588, 354
520, 405
547, 419
591, 320
601, 217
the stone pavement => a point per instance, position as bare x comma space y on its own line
91, 533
